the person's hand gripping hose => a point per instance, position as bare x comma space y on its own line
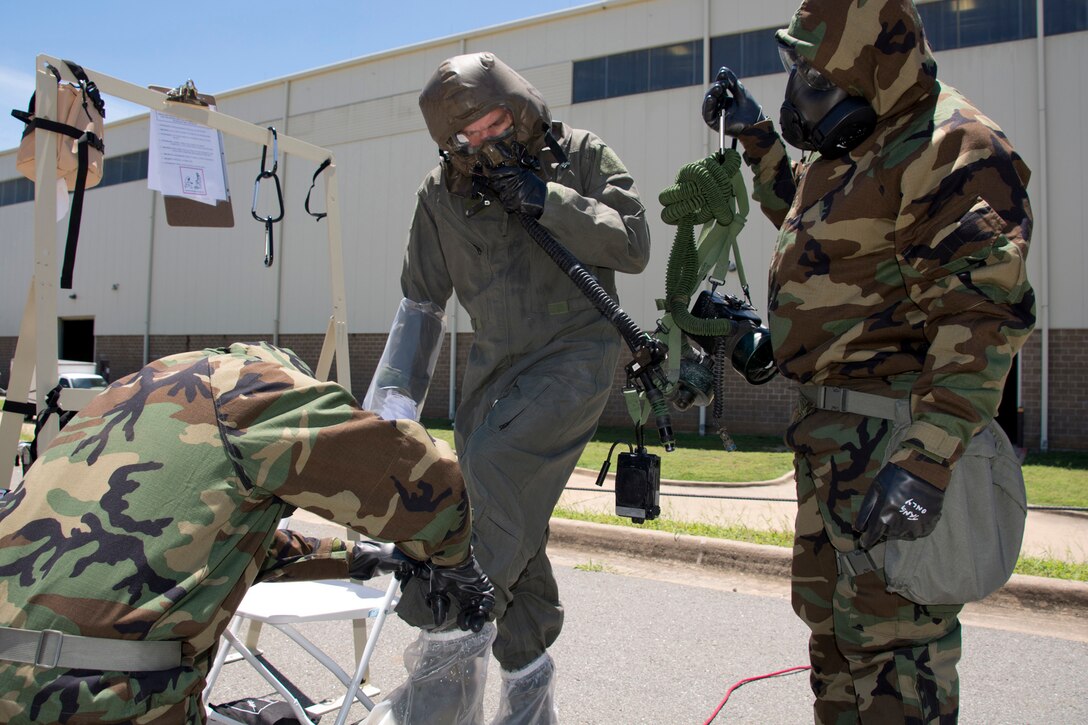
519, 189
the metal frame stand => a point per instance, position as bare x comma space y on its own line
36, 348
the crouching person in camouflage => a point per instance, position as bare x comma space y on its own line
898, 297
130, 543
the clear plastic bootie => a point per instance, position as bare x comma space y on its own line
445, 686
528, 695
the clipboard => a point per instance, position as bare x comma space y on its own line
182, 212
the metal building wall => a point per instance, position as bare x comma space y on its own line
212, 282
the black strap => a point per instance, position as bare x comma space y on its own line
89, 88
556, 149
75, 218
318, 216
66, 130
24, 409
52, 406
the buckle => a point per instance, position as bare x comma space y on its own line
833, 399
48, 638
856, 562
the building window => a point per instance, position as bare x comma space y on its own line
124, 168
951, 24
638, 71
117, 170
1064, 16
754, 53
954, 24
15, 191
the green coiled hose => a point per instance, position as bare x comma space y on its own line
703, 192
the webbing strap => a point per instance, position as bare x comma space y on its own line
636, 406
860, 561
11, 406
69, 264
843, 400
718, 244
317, 215
51, 648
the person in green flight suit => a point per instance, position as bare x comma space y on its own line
540, 368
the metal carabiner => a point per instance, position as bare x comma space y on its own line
266, 174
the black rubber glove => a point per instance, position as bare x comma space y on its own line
729, 96
370, 559
469, 586
516, 184
519, 189
899, 505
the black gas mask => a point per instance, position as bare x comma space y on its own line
748, 350
819, 116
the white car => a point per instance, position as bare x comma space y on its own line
82, 381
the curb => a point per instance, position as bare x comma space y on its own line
1021, 592
681, 548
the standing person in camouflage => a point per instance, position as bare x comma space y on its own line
541, 364
898, 297
134, 537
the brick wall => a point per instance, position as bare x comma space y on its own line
753, 410
1030, 372
762, 410
1068, 409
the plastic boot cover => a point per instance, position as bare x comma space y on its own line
446, 675
528, 695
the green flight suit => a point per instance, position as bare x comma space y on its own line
540, 367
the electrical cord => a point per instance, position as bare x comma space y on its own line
745, 681
1031, 507
686, 495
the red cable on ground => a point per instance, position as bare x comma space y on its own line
745, 681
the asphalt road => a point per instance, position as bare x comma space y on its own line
663, 643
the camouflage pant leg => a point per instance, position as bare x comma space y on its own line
876, 656
813, 583
31, 695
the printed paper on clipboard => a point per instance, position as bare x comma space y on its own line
186, 163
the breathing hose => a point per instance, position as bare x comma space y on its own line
703, 192
589, 286
647, 351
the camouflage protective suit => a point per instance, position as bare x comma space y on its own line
543, 358
156, 508
899, 271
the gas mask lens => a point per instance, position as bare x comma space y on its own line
812, 77
494, 126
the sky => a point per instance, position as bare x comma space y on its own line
222, 44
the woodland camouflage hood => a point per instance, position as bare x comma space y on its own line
872, 48
467, 87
